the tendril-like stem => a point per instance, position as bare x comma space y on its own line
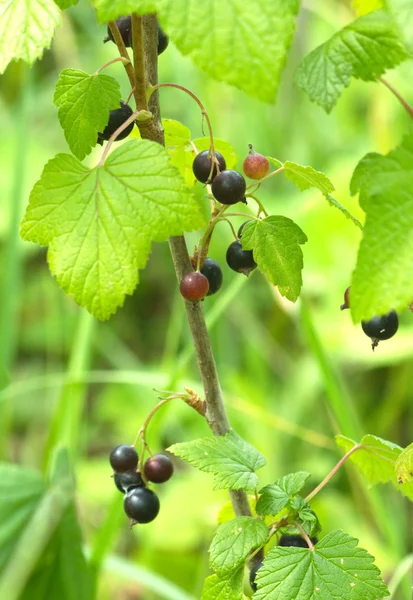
280, 170
398, 95
121, 59
122, 51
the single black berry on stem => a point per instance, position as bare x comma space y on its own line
163, 40
141, 505
346, 303
125, 29
381, 328
194, 286
202, 166
240, 230
296, 540
124, 458
117, 118
213, 273
253, 574
255, 166
128, 480
158, 468
229, 187
239, 260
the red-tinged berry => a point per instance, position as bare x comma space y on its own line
213, 273
296, 540
202, 166
128, 480
381, 328
346, 300
194, 286
124, 458
117, 118
255, 166
239, 260
158, 468
229, 187
141, 505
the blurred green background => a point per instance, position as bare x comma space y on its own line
293, 375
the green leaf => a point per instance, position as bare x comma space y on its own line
337, 568
275, 242
365, 49
223, 588
26, 29
333, 202
384, 270
176, 134
307, 177
99, 223
232, 41
233, 542
376, 460
404, 465
362, 7
402, 13
84, 103
278, 495
182, 158
221, 146
63, 4
230, 458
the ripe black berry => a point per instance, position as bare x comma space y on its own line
116, 118
229, 187
158, 468
253, 574
124, 458
242, 227
381, 328
163, 40
213, 273
255, 166
239, 260
125, 29
202, 166
346, 300
296, 540
194, 286
141, 505
128, 480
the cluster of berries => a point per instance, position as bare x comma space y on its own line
228, 187
141, 504
378, 328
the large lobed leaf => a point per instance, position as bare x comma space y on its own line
99, 223
402, 13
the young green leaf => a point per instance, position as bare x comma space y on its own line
307, 177
182, 158
402, 12
333, 202
63, 4
383, 276
99, 223
404, 465
362, 7
26, 29
365, 49
336, 568
230, 458
277, 496
234, 541
223, 588
84, 103
275, 242
248, 47
375, 460
176, 134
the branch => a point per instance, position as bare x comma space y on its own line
398, 95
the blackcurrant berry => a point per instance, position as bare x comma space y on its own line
253, 574
128, 480
163, 40
194, 286
381, 328
346, 300
116, 118
124, 458
255, 166
125, 29
213, 273
296, 540
242, 227
239, 260
202, 166
158, 468
229, 187
141, 505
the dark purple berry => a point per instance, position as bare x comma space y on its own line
239, 260
116, 118
253, 574
125, 29
255, 166
346, 300
141, 505
296, 540
202, 166
128, 480
163, 40
194, 286
213, 273
239, 234
124, 458
229, 187
381, 328
158, 468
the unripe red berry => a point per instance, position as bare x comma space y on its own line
194, 286
255, 166
158, 468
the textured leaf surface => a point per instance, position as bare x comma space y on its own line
384, 269
176, 134
376, 461
276, 496
99, 223
84, 103
336, 570
275, 242
404, 465
230, 458
26, 29
365, 49
333, 202
307, 177
223, 588
237, 42
402, 13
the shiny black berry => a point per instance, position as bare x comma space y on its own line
163, 40
158, 468
124, 458
116, 118
229, 187
253, 574
296, 540
141, 505
128, 480
346, 303
202, 166
239, 234
381, 328
239, 260
125, 29
213, 273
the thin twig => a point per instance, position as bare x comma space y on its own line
400, 98
117, 38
